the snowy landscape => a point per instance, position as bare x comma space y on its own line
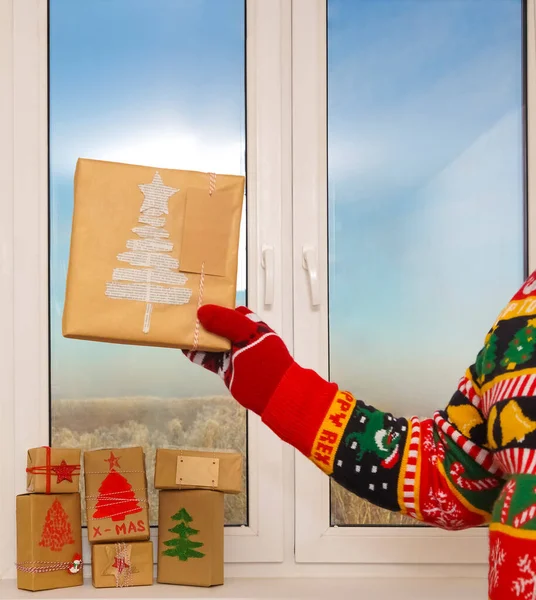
207, 422
210, 422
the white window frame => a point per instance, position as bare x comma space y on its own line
285, 489
316, 540
24, 368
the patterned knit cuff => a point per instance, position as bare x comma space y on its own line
298, 407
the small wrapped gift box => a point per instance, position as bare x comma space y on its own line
122, 564
190, 537
53, 470
197, 469
116, 495
49, 541
148, 247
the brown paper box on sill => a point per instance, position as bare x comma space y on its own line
49, 541
122, 564
195, 469
53, 470
148, 246
190, 537
116, 495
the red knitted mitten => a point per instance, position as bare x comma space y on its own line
258, 358
261, 375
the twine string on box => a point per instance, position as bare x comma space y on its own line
122, 565
211, 190
43, 566
113, 499
199, 304
211, 183
116, 470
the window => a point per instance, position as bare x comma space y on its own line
170, 95
92, 91
418, 224
426, 180
385, 143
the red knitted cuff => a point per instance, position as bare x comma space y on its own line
298, 407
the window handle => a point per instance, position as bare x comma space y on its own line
310, 264
267, 262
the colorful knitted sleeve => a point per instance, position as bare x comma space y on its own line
436, 470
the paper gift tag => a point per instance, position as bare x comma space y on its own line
197, 471
205, 237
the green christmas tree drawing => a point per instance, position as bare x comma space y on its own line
521, 348
183, 547
485, 361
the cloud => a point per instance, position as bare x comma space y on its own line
173, 146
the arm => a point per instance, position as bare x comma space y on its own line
506, 376
435, 470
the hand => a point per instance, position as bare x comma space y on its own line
257, 361
263, 377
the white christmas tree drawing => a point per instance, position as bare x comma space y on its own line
150, 251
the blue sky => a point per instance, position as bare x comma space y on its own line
159, 83
425, 173
425, 188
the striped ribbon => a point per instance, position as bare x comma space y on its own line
43, 566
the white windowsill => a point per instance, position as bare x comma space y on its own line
289, 588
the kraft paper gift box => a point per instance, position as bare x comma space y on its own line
122, 564
190, 537
193, 469
53, 470
116, 495
49, 541
148, 247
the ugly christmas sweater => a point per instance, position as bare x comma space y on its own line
472, 463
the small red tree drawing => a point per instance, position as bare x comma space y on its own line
57, 530
116, 497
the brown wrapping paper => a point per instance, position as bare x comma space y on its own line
49, 541
192, 469
53, 470
116, 495
190, 537
122, 564
124, 283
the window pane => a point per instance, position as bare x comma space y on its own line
426, 197
151, 82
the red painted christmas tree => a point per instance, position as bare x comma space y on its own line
57, 530
116, 497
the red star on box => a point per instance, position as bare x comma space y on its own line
120, 564
64, 472
113, 461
